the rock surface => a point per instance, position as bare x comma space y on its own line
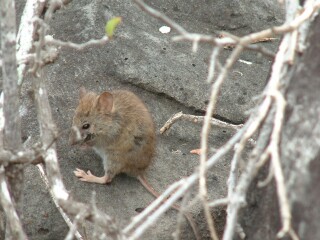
168, 77
299, 154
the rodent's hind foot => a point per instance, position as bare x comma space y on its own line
196, 151
89, 177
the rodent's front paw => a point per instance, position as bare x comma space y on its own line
83, 176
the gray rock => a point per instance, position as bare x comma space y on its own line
299, 155
168, 77
142, 56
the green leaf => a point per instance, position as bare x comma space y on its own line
112, 25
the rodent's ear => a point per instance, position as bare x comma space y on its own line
82, 92
105, 102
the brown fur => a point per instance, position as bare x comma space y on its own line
124, 132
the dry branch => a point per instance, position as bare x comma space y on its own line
237, 192
137, 220
73, 226
7, 203
97, 217
91, 43
48, 136
12, 131
219, 202
26, 33
11, 138
196, 119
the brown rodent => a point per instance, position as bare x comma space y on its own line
118, 126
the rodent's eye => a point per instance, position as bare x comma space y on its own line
85, 126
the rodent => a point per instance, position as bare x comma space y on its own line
120, 129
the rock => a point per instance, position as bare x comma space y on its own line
168, 77
299, 154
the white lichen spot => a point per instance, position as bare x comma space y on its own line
165, 29
244, 61
20, 154
23, 110
40, 91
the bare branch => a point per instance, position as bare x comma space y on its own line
197, 119
272, 91
237, 192
48, 136
26, 32
176, 234
93, 42
219, 202
268, 179
11, 138
73, 226
146, 212
12, 131
205, 132
22, 157
212, 63
73, 229
99, 218
13, 221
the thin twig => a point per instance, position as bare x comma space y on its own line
196, 119
147, 211
268, 179
9, 209
238, 194
212, 64
65, 217
219, 202
180, 217
48, 135
278, 173
73, 228
81, 46
205, 132
278, 70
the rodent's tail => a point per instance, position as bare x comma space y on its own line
148, 186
